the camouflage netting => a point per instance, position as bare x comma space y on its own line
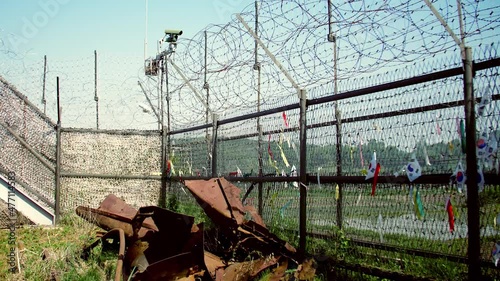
99, 163
23, 126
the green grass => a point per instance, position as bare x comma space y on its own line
62, 246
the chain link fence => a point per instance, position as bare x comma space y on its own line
422, 122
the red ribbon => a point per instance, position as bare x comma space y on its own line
284, 118
169, 169
451, 218
375, 177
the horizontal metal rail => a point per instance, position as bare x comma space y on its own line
365, 117
112, 132
110, 176
397, 112
192, 129
405, 82
312, 178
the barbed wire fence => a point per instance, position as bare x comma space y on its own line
375, 43
328, 49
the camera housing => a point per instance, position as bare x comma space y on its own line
173, 32
172, 35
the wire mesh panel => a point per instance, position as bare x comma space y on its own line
27, 142
244, 163
98, 163
111, 153
488, 136
277, 139
322, 202
87, 191
393, 216
423, 119
190, 153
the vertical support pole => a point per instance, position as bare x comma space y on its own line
260, 186
303, 174
256, 67
162, 114
146, 30
332, 38
207, 88
214, 145
169, 147
44, 101
339, 164
165, 138
95, 91
57, 197
162, 202
167, 100
472, 189
158, 95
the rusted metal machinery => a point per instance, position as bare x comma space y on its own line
158, 244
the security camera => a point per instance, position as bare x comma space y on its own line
172, 35
173, 32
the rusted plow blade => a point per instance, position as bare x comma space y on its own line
158, 244
115, 213
161, 244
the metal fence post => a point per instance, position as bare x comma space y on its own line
57, 195
260, 203
96, 98
44, 101
332, 38
472, 188
214, 145
303, 174
338, 126
162, 202
256, 67
57, 198
206, 86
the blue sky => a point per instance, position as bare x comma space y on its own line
68, 32
66, 28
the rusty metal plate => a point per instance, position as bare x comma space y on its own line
243, 271
113, 204
171, 268
115, 213
174, 233
213, 264
221, 201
